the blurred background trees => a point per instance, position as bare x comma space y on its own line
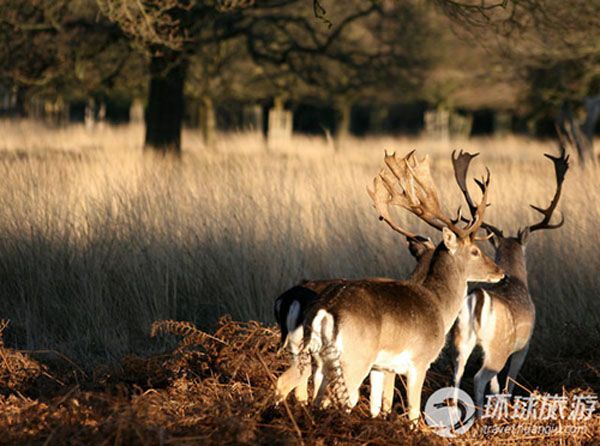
444, 67
553, 48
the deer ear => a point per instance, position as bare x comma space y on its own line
416, 248
450, 240
419, 246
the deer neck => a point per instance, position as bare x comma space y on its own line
421, 270
513, 263
446, 278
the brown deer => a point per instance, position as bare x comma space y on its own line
291, 306
398, 326
500, 317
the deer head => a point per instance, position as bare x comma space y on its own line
510, 251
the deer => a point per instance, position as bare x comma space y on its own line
291, 306
399, 327
500, 318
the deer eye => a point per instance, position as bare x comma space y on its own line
475, 252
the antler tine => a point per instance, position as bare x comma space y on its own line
477, 221
461, 162
381, 200
561, 165
491, 229
459, 216
427, 197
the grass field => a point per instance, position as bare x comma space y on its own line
98, 239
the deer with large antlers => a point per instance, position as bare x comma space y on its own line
500, 317
291, 306
398, 326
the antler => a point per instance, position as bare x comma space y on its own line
409, 184
461, 162
561, 165
381, 200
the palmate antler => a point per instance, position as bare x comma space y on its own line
382, 200
408, 183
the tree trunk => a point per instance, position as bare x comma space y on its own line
208, 123
90, 114
165, 103
20, 107
344, 109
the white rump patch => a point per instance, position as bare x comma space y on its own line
488, 319
322, 330
467, 317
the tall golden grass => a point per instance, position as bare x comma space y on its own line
98, 239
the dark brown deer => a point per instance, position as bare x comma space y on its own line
398, 326
501, 317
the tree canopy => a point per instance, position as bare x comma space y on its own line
539, 56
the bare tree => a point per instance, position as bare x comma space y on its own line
60, 48
555, 47
330, 51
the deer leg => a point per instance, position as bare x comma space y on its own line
296, 377
377, 378
355, 371
292, 379
323, 382
464, 342
389, 379
482, 378
301, 390
493, 362
494, 385
317, 377
516, 362
414, 386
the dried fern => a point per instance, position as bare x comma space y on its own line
3, 324
178, 328
189, 332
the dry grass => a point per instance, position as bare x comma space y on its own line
98, 240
